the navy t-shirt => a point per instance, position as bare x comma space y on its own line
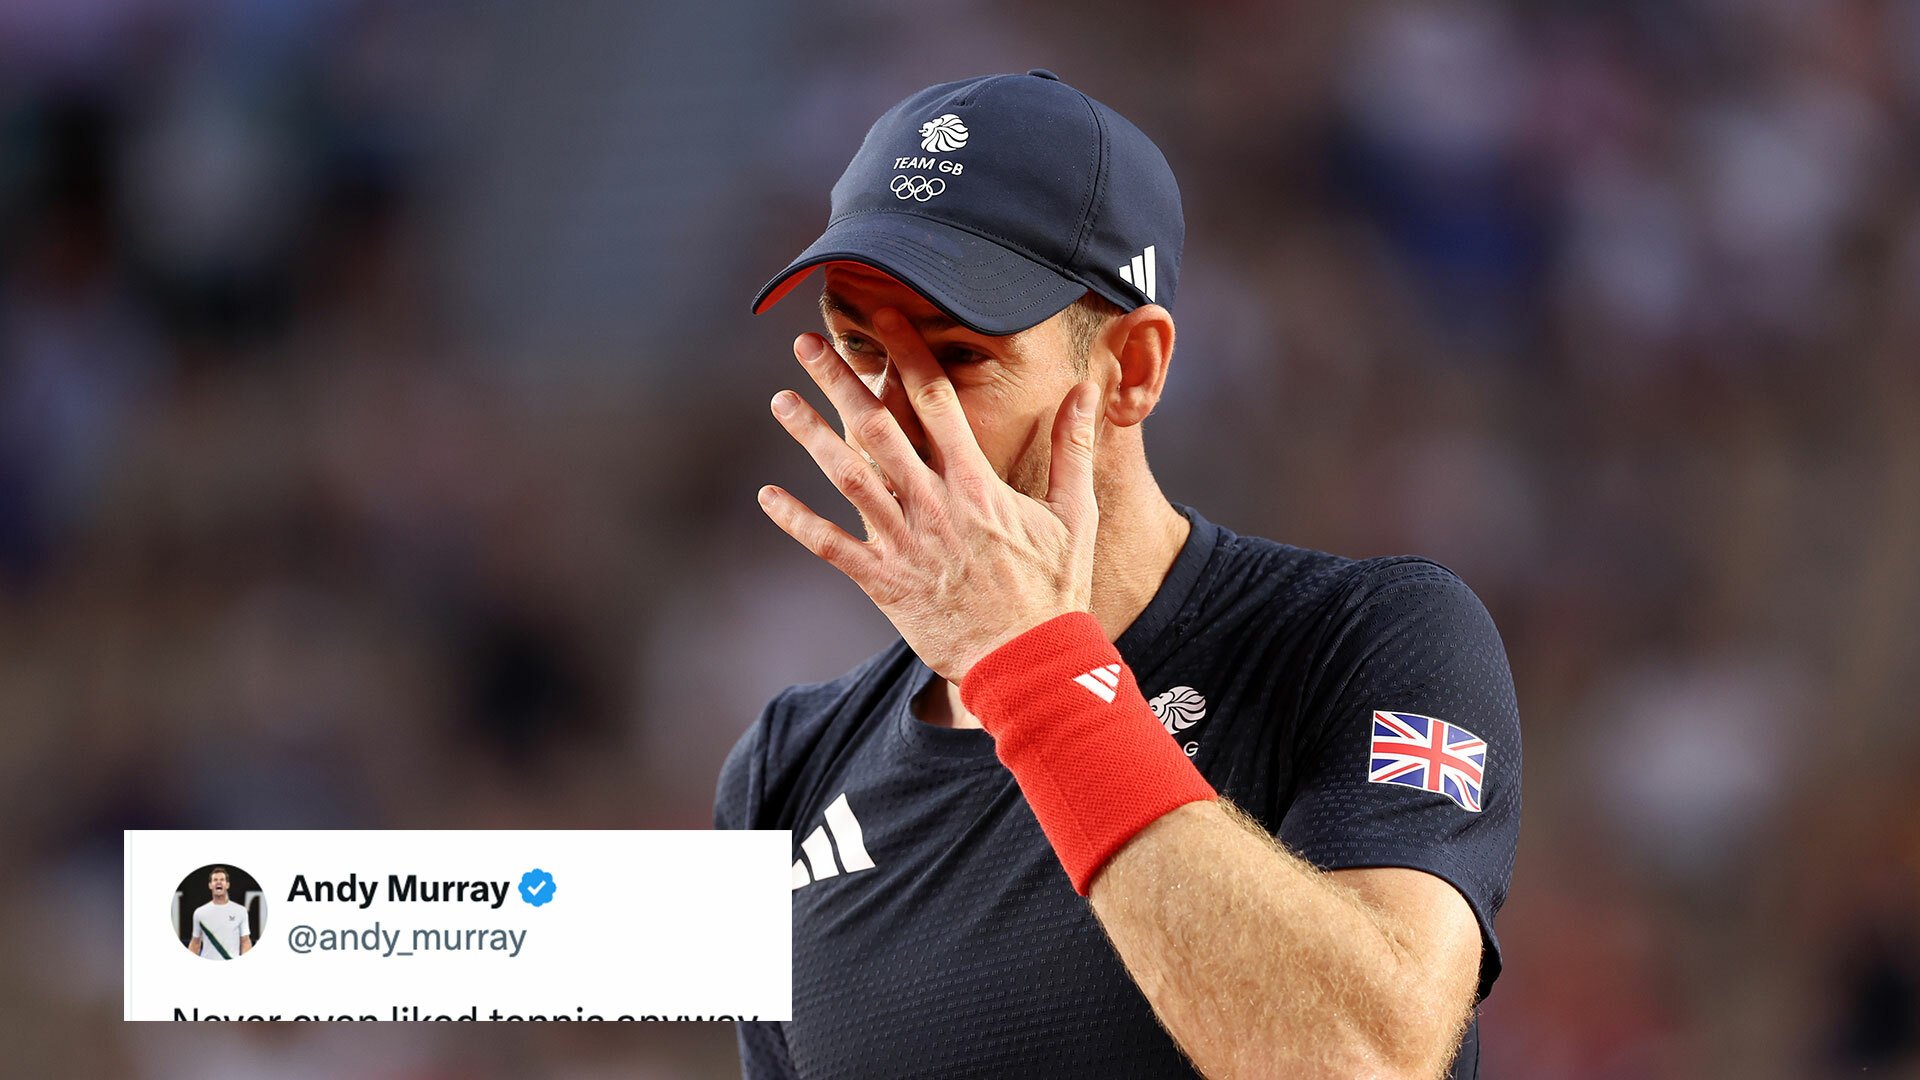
936, 935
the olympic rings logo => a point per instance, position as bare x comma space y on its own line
917, 188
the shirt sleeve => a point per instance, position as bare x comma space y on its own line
738, 793
246, 922
1410, 752
737, 805
763, 1051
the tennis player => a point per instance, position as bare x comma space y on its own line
220, 927
1133, 795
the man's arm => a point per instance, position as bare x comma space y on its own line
1375, 970
1259, 964
195, 945
246, 943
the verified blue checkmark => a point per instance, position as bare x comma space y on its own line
536, 887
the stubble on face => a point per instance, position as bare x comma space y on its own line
1029, 472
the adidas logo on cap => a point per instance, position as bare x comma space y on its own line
1139, 272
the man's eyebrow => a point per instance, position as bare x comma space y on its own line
832, 303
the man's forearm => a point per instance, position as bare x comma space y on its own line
1258, 963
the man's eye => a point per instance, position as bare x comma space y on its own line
861, 352
863, 356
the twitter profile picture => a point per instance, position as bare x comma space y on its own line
218, 912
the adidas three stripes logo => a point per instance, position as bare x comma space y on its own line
1138, 272
1101, 682
842, 832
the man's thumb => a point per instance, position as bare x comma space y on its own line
1070, 480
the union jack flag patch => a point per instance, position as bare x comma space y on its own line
1428, 754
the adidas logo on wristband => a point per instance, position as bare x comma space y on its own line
1101, 681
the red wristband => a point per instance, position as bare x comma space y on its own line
1069, 721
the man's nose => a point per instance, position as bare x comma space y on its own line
893, 394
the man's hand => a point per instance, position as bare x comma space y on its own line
960, 562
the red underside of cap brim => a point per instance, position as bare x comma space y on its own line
981, 284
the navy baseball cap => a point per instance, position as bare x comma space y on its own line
1003, 199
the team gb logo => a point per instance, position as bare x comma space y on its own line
942, 134
1179, 709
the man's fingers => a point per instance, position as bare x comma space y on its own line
864, 416
932, 395
1070, 476
818, 535
851, 473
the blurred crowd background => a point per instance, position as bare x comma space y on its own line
380, 421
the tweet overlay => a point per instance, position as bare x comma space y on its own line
458, 925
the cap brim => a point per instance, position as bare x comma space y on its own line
983, 286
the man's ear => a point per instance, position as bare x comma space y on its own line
1141, 341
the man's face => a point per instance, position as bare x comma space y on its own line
218, 883
1010, 387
